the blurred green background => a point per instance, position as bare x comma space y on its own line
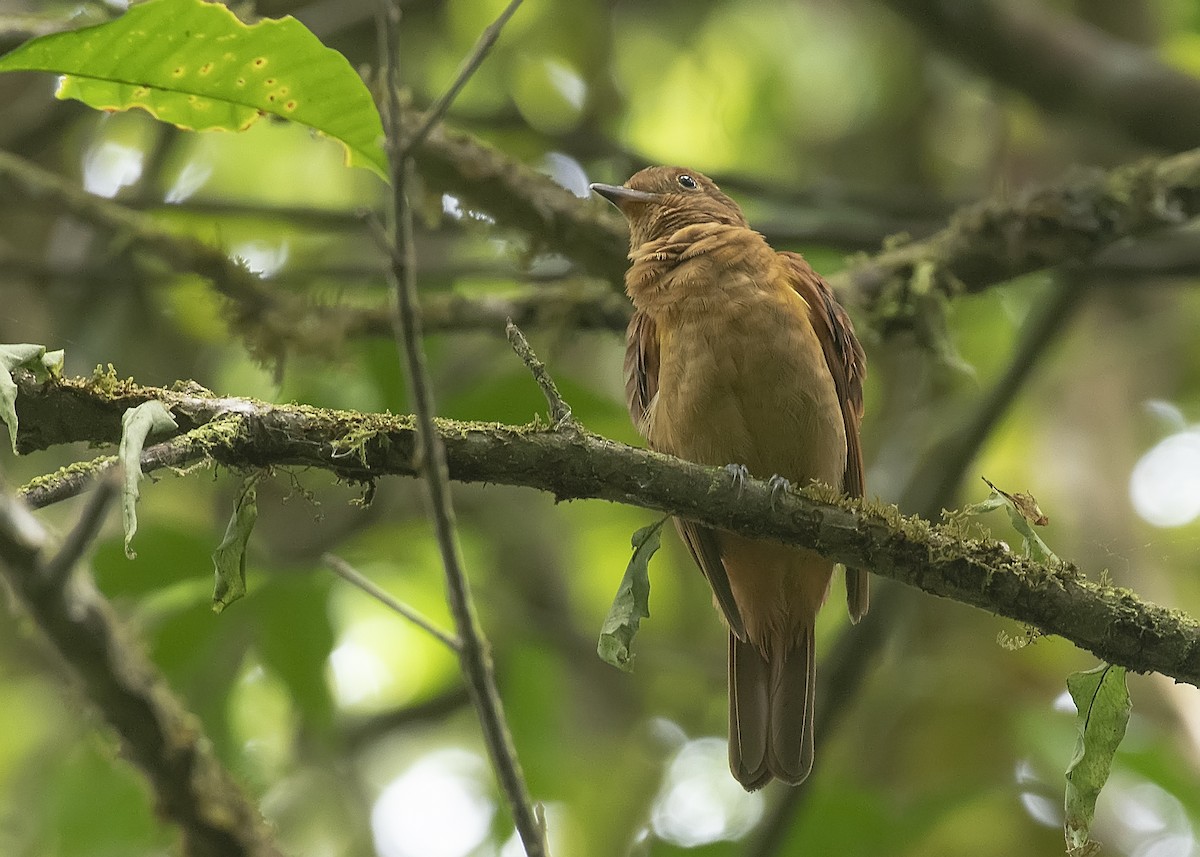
836, 125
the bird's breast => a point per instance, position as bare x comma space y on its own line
743, 380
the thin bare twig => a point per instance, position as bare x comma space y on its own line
352, 575
474, 658
1066, 66
465, 72
84, 531
560, 411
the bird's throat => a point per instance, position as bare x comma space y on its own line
695, 268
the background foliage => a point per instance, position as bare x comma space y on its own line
836, 125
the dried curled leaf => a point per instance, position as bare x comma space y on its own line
229, 559
632, 602
1024, 513
1025, 504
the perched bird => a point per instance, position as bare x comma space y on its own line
739, 355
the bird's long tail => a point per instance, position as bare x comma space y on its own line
771, 711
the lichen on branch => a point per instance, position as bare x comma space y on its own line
943, 560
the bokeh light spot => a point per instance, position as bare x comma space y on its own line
437, 808
111, 166
700, 802
1165, 483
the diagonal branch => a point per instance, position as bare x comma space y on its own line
252, 303
356, 578
1062, 63
85, 531
193, 790
560, 412
1072, 220
933, 484
1112, 623
466, 71
994, 241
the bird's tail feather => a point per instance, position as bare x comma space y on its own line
749, 713
858, 593
771, 705
793, 684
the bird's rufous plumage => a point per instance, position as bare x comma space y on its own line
741, 355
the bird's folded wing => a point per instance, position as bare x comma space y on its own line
641, 386
701, 542
641, 367
848, 365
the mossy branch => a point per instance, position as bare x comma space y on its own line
1072, 220
1112, 623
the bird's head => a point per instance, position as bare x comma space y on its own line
657, 201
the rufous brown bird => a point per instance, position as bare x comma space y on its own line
740, 356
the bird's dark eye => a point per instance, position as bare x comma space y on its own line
687, 182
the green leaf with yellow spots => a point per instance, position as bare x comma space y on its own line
195, 65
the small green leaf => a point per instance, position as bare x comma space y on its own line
993, 502
632, 602
1102, 704
136, 424
52, 363
229, 559
13, 357
195, 65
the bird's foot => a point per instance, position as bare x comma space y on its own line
739, 474
779, 486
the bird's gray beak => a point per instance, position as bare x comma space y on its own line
622, 196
